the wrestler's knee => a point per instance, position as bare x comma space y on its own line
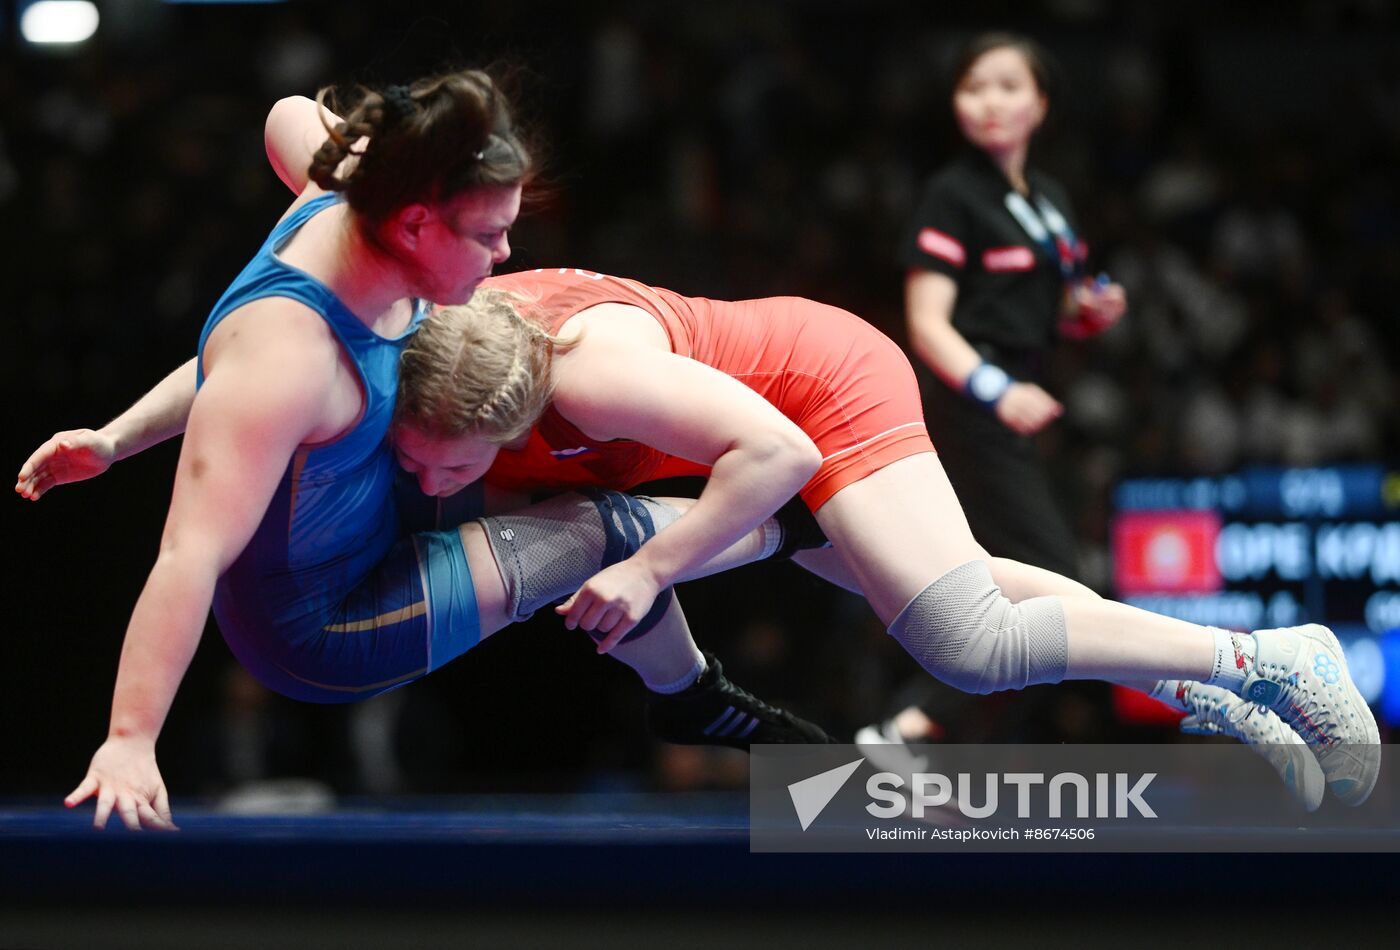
546, 551
966, 633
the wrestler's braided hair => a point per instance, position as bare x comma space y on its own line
426, 142
480, 368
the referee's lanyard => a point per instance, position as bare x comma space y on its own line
1050, 230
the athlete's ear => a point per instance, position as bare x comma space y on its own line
1044, 103
403, 229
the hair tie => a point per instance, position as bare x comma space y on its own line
398, 102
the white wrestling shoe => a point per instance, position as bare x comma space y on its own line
1301, 674
886, 748
1214, 711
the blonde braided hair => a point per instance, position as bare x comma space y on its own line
480, 368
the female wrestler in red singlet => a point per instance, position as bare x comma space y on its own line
845, 399
786, 396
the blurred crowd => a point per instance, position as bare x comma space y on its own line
1238, 179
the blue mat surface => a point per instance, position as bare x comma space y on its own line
516, 819
559, 852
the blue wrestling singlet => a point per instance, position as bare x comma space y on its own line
331, 601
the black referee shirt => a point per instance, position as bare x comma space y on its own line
1010, 286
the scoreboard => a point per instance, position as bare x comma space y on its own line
1273, 547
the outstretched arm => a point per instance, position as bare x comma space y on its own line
78, 454
291, 134
246, 423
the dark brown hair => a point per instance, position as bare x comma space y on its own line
428, 142
1042, 67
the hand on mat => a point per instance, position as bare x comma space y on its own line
124, 777
612, 602
66, 457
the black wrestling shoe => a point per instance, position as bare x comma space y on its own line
713, 711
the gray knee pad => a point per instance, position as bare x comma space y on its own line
546, 551
966, 633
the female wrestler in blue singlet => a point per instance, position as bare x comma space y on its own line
321, 604
281, 506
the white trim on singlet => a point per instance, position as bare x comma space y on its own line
873, 438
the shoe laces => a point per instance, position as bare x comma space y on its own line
754, 704
1311, 718
1228, 716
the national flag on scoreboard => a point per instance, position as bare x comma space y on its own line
1161, 552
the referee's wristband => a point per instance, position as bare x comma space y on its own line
987, 384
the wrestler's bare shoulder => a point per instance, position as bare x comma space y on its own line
611, 323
